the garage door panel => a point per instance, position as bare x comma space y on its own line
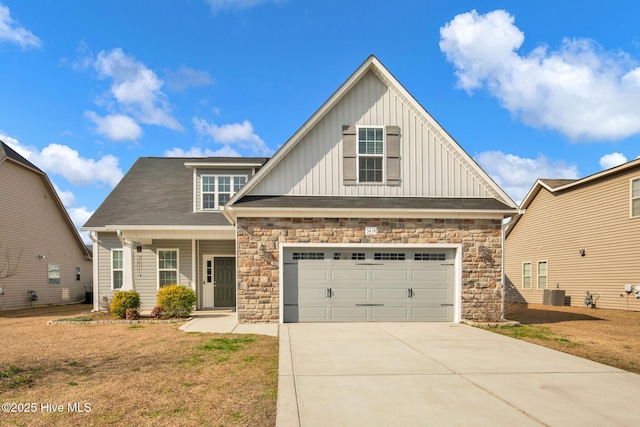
390, 313
312, 274
391, 294
438, 274
440, 295
352, 275
437, 314
349, 313
396, 275
356, 294
305, 293
313, 314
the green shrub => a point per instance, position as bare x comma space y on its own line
123, 300
177, 300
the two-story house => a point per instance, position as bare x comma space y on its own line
369, 212
579, 236
43, 259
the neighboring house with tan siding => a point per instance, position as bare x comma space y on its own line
369, 212
578, 236
37, 233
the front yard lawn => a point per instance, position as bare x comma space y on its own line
132, 374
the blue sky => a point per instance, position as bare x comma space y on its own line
529, 89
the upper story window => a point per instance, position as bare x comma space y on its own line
635, 197
370, 154
218, 189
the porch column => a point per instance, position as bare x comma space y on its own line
127, 263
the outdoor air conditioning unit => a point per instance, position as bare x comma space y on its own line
553, 297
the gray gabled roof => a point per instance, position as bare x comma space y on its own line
554, 183
8, 152
157, 191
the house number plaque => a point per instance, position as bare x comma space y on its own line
370, 231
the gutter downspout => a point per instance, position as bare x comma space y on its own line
94, 281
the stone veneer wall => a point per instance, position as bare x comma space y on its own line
258, 276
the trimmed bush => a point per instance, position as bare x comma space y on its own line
132, 314
122, 300
157, 312
177, 300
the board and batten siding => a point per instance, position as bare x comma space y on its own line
429, 165
556, 227
31, 221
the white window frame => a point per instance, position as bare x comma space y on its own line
51, 278
216, 193
633, 198
116, 269
529, 276
381, 156
546, 276
158, 269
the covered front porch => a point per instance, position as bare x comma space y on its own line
202, 259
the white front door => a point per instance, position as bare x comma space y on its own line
208, 280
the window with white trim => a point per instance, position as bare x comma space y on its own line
542, 274
635, 197
370, 154
117, 271
526, 275
216, 190
53, 274
167, 267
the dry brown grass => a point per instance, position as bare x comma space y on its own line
611, 337
143, 374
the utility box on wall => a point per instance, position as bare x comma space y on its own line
553, 297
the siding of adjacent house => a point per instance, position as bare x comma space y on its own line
594, 217
32, 221
430, 166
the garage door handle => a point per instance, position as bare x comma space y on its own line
329, 293
410, 293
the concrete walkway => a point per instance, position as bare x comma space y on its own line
419, 374
224, 321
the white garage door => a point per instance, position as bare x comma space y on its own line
339, 285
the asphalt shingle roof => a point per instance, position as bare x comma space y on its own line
349, 202
158, 191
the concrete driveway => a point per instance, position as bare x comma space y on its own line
414, 374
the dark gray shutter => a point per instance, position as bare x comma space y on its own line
349, 167
393, 155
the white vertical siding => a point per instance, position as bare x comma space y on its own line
429, 165
31, 221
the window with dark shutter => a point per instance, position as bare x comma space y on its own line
393, 155
349, 169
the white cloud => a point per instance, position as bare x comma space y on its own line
217, 5
66, 162
225, 151
580, 90
12, 33
186, 78
516, 175
240, 134
116, 127
612, 160
136, 88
